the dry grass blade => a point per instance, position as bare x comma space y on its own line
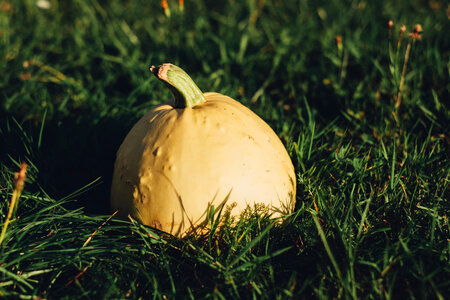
99, 227
19, 182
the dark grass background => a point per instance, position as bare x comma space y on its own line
372, 205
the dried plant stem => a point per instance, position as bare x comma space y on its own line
19, 182
402, 79
103, 224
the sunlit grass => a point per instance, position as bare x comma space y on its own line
363, 116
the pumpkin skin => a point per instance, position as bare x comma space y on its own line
177, 162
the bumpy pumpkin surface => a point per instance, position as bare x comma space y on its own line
177, 162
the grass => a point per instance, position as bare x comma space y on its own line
371, 219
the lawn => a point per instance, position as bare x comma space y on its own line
362, 108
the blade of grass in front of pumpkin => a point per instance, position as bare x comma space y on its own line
254, 241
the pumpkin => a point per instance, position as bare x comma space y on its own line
195, 152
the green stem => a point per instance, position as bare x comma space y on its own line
186, 92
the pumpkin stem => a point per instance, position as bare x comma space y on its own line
184, 89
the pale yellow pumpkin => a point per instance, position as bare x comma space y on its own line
200, 150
